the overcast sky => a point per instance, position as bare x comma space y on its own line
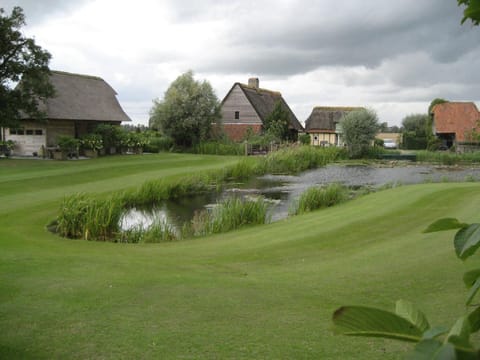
393, 56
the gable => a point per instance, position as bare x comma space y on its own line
237, 101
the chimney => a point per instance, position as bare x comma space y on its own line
254, 83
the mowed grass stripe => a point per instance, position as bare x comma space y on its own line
261, 292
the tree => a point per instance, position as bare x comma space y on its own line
359, 129
187, 111
435, 102
276, 124
471, 11
24, 71
415, 131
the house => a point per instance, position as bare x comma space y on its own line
81, 102
245, 107
323, 125
454, 121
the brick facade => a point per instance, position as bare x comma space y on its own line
237, 132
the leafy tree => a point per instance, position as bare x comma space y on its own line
415, 131
409, 324
23, 71
472, 10
276, 124
187, 111
435, 102
359, 129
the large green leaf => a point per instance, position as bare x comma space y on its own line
470, 277
432, 350
366, 321
444, 225
467, 241
408, 311
474, 320
459, 334
473, 291
433, 332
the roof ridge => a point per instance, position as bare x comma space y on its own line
75, 74
338, 107
260, 90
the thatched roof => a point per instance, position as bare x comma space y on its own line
263, 101
326, 117
82, 97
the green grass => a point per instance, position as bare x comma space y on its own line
261, 292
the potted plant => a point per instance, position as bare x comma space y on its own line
92, 144
6, 147
67, 148
138, 141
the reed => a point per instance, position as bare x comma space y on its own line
232, 213
157, 232
448, 158
219, 148
299, 158
319, 197
84, 217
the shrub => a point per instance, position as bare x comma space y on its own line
304, 139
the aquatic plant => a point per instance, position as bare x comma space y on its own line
230, 214
319, 197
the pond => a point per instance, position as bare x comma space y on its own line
282, 190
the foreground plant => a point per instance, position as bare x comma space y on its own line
410, 324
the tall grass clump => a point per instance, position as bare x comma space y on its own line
230, 214
219, 148
84, 217
155, 191
157, 232
299, 158
448, 158
319, 197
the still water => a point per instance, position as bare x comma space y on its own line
282, 190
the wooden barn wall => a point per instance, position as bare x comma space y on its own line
237, 101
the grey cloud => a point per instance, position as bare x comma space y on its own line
316, 35
37, 11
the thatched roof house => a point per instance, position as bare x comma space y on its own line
453, 121
81, 102
322, 124
247, 106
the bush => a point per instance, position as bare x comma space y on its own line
304, 139
158, 144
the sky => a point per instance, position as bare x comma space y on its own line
392, 56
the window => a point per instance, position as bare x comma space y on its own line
38, 132
17, 131
29, 131
237, 115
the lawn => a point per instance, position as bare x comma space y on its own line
261, 292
